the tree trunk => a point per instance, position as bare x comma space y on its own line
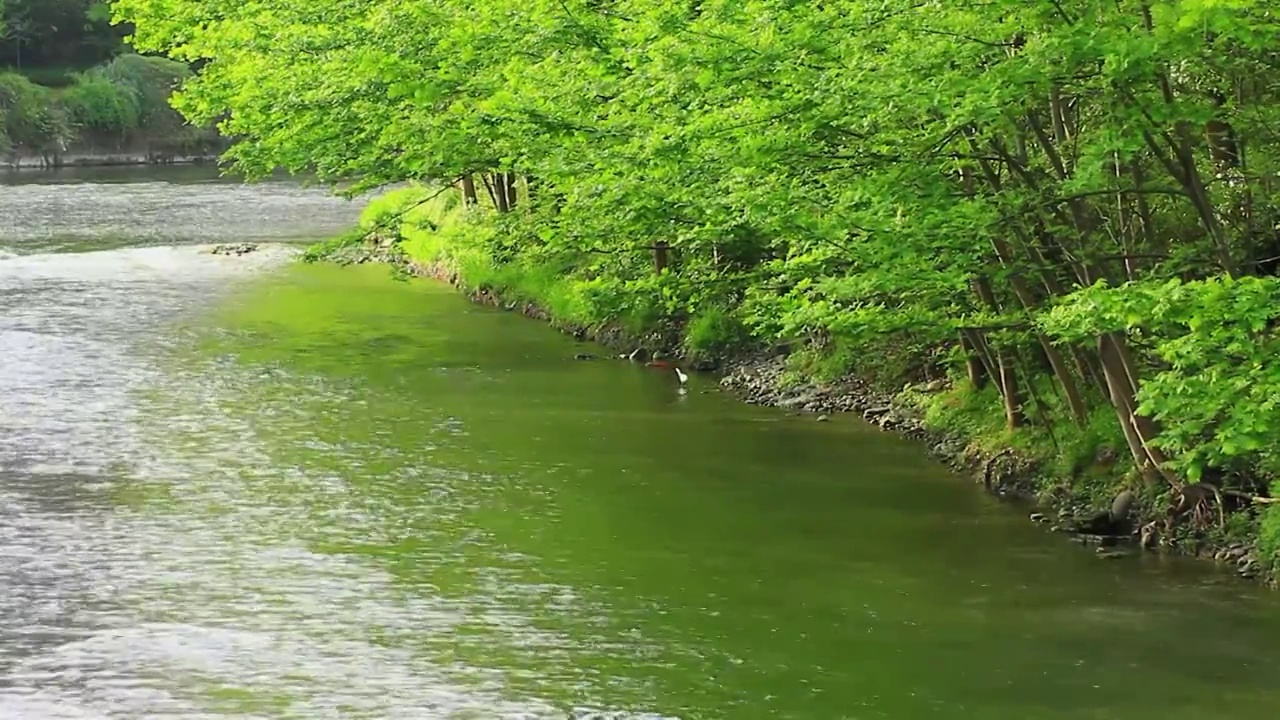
1006, 373
1013, 414
497, 186
468, 185
1138, 430
660, 256
1053, 357
974, 367
509, 186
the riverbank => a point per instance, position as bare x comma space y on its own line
1068, 479
19, 163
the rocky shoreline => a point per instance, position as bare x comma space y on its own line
1006, 473
761, 379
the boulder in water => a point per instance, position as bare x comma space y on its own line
234, 249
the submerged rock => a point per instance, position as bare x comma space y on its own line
234, 249
1101, 541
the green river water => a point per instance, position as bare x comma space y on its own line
245, 488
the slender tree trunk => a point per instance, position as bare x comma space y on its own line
509, 186
494, 198
660, 256
497, 185
1053, 357
1006, 370
1139, 431
974, 367
1001, 366
987, 361
1149, 236
1014, 417
469, 198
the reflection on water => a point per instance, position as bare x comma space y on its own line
234, 488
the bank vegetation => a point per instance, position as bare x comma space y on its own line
1068, 209
119, 106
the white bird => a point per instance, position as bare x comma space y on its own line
683, 378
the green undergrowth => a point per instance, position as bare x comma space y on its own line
434, 229
1081, 461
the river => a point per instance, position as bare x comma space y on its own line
245, 488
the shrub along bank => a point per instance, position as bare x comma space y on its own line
121, 105
1065, 212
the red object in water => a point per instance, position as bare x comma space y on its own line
658, 364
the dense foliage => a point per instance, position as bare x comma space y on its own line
1071, 202
31, 116
124, 102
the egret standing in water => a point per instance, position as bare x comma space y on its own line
683, 379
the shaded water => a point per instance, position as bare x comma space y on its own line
230, 487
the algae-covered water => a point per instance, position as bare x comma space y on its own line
243, 488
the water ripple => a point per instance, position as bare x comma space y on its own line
160, 556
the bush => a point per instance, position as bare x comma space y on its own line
96, 103
32, 118
713, 332
51, 77
153, 80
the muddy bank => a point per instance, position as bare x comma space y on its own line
761, 379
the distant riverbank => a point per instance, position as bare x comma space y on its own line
114, 114
105, 158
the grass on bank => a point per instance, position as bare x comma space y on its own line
435, 229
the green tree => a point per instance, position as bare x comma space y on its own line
57, 33
1016, 192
